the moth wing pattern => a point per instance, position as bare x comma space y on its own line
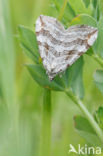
59, 47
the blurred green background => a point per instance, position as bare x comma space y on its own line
21, 97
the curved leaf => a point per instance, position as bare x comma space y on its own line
84, 19
82, 124
39, 75
74, 78
29, 43
85, 130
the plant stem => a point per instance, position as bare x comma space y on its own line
87, 114
62, 10
46, 124
98, 59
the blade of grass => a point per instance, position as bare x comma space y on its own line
7, 57
7, 70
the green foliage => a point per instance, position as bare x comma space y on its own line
82, 124
72, 79
39, 75
80, 8
101, 7
69, 12
98, 79
99, 117
29, 43
85, 130
76, 79
96, 9
20, 124
7, 62
98, 47
87, 3
94, 3
84, 19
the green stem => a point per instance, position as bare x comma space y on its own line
46, 124
98, 59
87, 114
62, 10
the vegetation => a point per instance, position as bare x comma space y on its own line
38, 119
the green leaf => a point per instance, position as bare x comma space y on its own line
99, 117
72, 78
86, 2
70, 10
82, 124
98, 79
57, 4
84, 19
90, 51
98, 47
85, 130
69, 14
39, 75
90, 138
76, 72
29, 43
79, 7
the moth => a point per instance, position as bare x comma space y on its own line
59, 47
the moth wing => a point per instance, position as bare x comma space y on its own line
81, 38
60, 48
